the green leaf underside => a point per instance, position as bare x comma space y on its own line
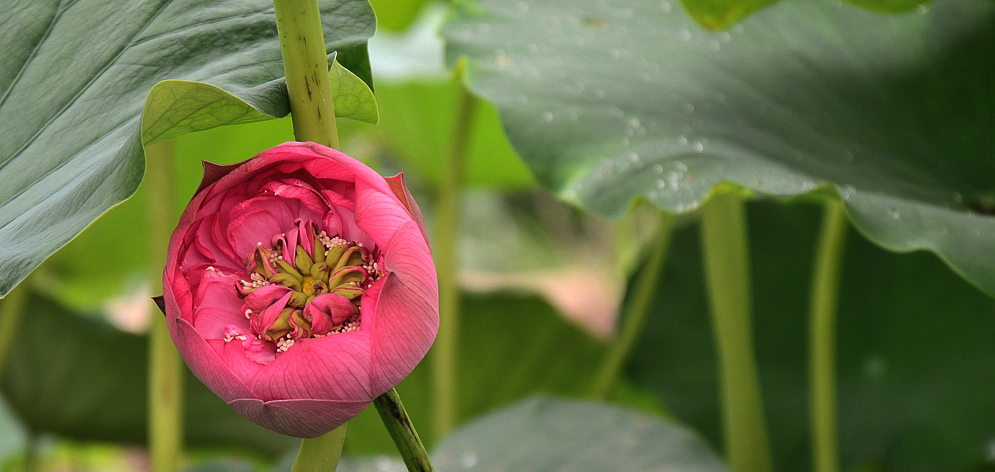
915, 361
550, 434
71, 100
177, 107
353, 98
609, 103
88, 381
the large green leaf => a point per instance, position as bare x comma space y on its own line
915, 359
74, 84
609, 103
80, 378
545, 434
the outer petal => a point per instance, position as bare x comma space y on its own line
302, 418
396, 184
357, 170
379, 214
407, 311
234, 355
203, 361
329, 368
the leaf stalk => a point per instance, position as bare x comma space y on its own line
636, 311
727, 271
822, 338
305, 63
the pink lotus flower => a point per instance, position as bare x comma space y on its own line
300, 286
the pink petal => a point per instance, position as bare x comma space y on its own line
235, 357
379, 214
203, 361
303, 418
396, 184
293, 189
266, 296
327, 311
261, 321
342, 223
258, 226
407, 311
180, 298
335, 367
217, 304
344, 168
305, 236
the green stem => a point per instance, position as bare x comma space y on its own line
305, 63
822, 334
445, 350
402, 431
165, 401
320, 454
727, 267
12, 309
636, 311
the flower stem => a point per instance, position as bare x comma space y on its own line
446, 346
636, 312
165, 401
320, 454
822, 338
727, 267
305, 63
402, 431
